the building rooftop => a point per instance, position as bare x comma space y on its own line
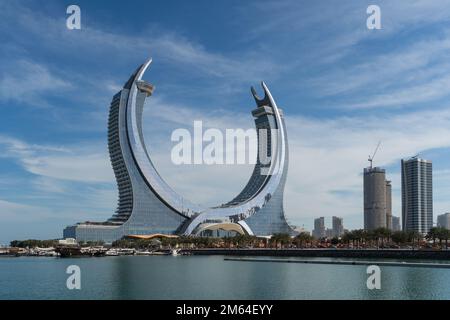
416, 159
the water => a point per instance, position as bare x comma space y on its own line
210, 277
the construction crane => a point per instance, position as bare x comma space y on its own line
374, 153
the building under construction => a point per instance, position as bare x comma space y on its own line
377, 197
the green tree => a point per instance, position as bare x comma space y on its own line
302, 238
382, 234
399, 237
334, 240
347, 238
414, 237
433, 234
281, 238
359, 235
439, 233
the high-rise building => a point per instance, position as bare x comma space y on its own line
388, 205
396, 224
375, 212
417, 195
147, 205
338, 226
319, 228
443, 221
329, 234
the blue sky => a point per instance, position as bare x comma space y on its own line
342, 88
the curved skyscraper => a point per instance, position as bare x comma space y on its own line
148, 205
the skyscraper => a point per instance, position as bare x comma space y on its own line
388, 205
396, 224
147, 205
443, 221
319, 228
338, 226
417, 195
375, 198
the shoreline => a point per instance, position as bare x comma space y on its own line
348, 263
293, 252
329, 253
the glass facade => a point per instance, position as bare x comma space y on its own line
417, 195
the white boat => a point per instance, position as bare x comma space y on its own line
126, 251
159, 253
174, 252
112, 253
144, 253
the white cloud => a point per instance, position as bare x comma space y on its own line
25, 81
382, 72
327, 157
326, 160
75, 167
11, 211
81, 163
165, 45
424, 92
344, 22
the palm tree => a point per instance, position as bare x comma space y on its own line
433, 234
346, 238
414, 235
274, 239
383, 234
358, 235
370, 237
442, 234
446, 235
281, 238
301, 238
399, 237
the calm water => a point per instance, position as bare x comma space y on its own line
210, 277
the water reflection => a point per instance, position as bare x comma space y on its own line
210, 277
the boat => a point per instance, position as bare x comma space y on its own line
144, 253
112, 253
126, 251
160, 253
69, 251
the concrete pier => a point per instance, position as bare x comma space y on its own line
353, 263
330, 253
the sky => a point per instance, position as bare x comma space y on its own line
342, 88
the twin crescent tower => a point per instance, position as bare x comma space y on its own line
147, 205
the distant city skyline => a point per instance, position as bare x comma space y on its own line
321, 231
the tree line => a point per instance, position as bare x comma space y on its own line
380, 237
